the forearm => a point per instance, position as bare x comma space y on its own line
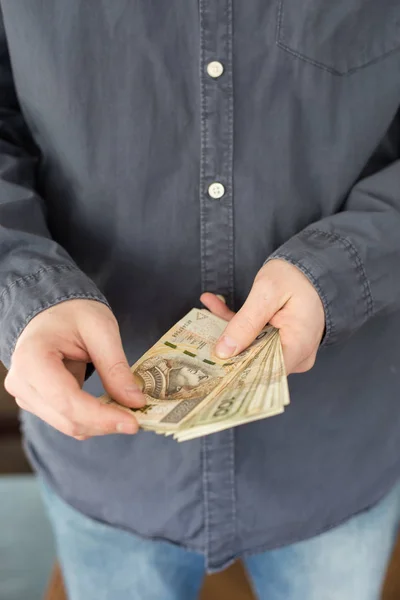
353, 257
35, 271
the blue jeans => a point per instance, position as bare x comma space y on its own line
100, 562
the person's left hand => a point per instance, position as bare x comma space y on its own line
282, 296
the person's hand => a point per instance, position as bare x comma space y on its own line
49, 363
282, 296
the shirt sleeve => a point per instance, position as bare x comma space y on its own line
35, 271
353, 257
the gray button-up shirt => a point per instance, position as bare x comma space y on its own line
131, 170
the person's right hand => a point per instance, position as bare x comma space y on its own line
49, 363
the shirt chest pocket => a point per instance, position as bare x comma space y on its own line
340, 36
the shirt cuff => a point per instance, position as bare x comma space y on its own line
333, 266
28, 296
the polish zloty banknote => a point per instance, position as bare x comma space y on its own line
258, 391
184, 382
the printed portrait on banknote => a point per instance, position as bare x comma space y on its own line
176, 377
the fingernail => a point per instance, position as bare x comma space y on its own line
221, 298
127, 427
226, 347
134, 393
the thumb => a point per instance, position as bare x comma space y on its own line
248, 322
104, 346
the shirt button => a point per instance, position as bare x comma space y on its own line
216, 190
215, 69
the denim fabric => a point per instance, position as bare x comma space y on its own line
111, 132
104, 563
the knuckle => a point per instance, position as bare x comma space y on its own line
107, 424
11, 383
107, 427
104, 318
117, 369
247, 326
22, 355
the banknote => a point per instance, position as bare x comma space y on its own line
258, 391
189, 391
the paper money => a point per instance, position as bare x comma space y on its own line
190, 392
258, 391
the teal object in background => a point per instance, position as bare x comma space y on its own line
27, 551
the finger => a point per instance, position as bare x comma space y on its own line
56, 398
290, 358
34, 404
78, 430
298, 352
244, 327
217, 306
105, 349
297, 358
51, 417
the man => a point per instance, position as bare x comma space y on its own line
155, 151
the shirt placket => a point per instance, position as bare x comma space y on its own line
216, 206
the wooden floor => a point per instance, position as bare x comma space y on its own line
231, 584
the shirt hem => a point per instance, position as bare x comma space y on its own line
290, 540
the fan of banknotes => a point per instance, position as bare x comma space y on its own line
190, 392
